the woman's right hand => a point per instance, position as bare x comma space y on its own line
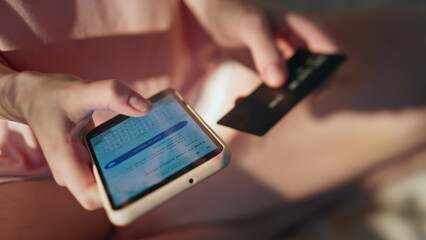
58, 107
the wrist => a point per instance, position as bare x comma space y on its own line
8, 98
17, 90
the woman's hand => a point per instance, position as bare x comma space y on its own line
58, 107
238, 23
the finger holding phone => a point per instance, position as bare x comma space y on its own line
141, 162
57, 107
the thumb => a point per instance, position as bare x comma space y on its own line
267, 58
115, 96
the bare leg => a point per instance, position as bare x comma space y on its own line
43, 210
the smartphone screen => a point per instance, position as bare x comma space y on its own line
137, 155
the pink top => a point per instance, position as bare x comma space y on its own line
149, 45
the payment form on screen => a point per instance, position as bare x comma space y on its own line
139, 153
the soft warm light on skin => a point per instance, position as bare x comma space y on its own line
219, 93
315, 152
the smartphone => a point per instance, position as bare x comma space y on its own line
141, 162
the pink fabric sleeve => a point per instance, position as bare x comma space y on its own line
20, 154
149, 45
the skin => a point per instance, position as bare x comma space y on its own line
187, 216
59, 107
233, 24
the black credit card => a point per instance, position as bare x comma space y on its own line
265, 106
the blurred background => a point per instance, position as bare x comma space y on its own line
312, 6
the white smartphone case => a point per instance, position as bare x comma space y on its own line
127, 214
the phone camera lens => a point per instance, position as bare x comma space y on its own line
191, 181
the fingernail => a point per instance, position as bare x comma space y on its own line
275, 76
139, 103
